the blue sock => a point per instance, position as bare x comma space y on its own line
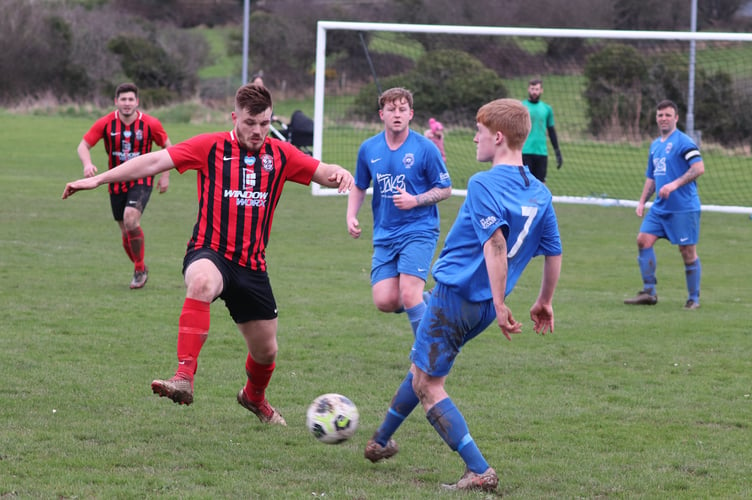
415, 314
403, 403
646, 260
693, 272
451, 426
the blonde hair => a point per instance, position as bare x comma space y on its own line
508, 116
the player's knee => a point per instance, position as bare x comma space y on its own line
388, 306
386, 302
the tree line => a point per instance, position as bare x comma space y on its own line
79, 50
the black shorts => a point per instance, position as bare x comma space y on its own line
247, 293
538, 165
136, 197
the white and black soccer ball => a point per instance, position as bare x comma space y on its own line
332, 418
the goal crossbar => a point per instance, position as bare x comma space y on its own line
320, 75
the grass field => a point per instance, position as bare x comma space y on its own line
620, 402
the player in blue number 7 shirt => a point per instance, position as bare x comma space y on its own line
506, 220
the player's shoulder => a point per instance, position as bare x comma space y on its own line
482, 180
420, 139
375, 142
685, 138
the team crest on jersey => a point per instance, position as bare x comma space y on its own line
267, 162
408, 160
249, 160
139, 135
669, 147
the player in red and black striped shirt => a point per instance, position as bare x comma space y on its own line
127, 133
240, 177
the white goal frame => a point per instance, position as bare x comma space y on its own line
320, 76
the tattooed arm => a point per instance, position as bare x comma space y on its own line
406, 201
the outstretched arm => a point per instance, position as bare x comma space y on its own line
334, 176
137, 168
542, 312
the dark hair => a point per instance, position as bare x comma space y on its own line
253, 98
535, 81
126, 87
667, 103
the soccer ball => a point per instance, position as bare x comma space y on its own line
332, 418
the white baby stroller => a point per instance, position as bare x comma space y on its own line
299, 131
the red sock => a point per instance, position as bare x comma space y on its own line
258, 379
136, 243
127, 248
193, 328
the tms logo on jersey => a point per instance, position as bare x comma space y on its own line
389, 183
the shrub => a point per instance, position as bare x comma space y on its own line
624, 85
448, 84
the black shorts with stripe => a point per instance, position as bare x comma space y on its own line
136, 197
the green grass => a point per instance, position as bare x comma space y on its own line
397, 44
223, 63
620, 402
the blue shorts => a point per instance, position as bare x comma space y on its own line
410, 255
681, 228
448, 323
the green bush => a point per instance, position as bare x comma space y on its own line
447, 84
624, 85
614, 91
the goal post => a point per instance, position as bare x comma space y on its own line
602, 85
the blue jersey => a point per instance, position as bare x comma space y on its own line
668, 160
416, 166
506, 197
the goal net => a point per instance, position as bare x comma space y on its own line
602, 85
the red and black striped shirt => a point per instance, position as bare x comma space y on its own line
238, 191
123, 142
